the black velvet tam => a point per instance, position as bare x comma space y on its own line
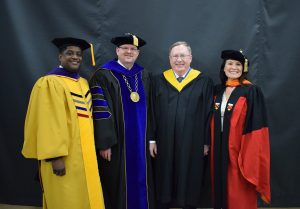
234, 55
69, 41
128, 39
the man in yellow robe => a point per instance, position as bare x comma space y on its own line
59, 133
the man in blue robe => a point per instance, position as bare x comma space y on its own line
120, 91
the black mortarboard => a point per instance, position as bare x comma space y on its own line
68, 41
128, 39
236, 55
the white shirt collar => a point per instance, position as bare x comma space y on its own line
184, 75
122, 64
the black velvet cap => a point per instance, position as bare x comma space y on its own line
69, 41
128, 39
234, 55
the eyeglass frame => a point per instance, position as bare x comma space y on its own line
181, 56
128, 49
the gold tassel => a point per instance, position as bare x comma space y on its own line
246, 66
246, 62
93, 55
135, 40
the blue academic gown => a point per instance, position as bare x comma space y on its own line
120, 124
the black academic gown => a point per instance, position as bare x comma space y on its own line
110, 132
180, 126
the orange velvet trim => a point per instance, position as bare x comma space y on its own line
236, 82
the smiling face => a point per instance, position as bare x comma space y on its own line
180, 59
233, 69
127, 54
71, 58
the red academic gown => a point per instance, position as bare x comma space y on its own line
240, 155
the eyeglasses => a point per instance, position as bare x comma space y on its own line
128, 49
181, 56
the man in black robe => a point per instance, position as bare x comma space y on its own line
120, 93
181, 105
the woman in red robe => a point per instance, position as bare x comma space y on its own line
240, 150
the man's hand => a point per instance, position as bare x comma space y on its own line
153, 149
106, 154
206, 149
58, 166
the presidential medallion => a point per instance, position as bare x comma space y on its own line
134, 96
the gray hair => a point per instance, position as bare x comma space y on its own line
178, 43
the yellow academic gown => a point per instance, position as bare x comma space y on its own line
59, 123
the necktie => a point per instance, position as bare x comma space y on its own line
179, 79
